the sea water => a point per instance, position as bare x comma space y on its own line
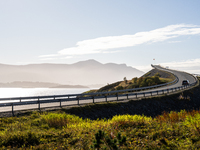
25, 92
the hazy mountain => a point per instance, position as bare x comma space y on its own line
81, 73
27, 84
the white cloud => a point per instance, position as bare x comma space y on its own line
50, 55
68, 57
187, 63
190, 66
174, 41
54, 57
106, 44
48, 58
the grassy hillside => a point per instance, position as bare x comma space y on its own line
163, 74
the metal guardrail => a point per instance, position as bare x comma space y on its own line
90, 96
97, 93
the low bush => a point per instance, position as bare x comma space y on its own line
58, 130
19, 139
57, 120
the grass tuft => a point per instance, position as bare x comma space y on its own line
58, 130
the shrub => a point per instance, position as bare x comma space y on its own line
59, 120
119, 88
130, 120
19, 139
108, 141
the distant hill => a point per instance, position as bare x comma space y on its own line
25, 84
81, 73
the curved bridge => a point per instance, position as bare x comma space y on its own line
180, 75
38, 102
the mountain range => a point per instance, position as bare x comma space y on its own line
89, 72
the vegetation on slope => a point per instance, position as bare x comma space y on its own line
174, 130
135, 83
163, 74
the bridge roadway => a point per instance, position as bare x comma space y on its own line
180, 75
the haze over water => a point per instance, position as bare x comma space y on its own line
24, 92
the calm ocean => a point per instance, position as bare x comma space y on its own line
22, 92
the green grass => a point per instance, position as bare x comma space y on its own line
165, 80
58, 130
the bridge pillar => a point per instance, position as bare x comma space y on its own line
78, 100
13, 110
39, 103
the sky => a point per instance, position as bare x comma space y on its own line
137, 33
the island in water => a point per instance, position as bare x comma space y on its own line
27, 84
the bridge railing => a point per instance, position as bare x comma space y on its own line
89, 97
74, 97
20, 99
